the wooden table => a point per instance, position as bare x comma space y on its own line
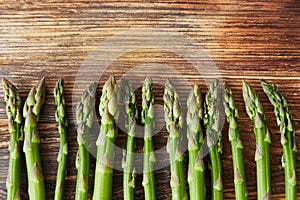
245, 40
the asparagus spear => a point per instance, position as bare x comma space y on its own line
236, 145
131, 111
149, 157
31, 113
13, 112
105, 143
284, 121
62, 129
196, 178
174, 122
214, 138
256, 114
84, 120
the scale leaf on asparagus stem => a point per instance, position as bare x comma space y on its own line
85, 117
13, 112
284, 121
109, 113
31, 113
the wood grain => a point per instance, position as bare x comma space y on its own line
247, 40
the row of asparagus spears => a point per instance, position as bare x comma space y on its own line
22, 126
204, 135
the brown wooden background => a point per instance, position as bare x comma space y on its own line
247, 41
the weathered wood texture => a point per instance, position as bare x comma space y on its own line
246, 40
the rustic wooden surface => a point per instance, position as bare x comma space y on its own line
246, 40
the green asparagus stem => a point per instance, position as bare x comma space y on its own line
256, 114
214, 138
196, 178
85, 117
109, 113
174, 122
284, 121
236, 145
149, 157
13, 112
130, 104
62, 129
31, 113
